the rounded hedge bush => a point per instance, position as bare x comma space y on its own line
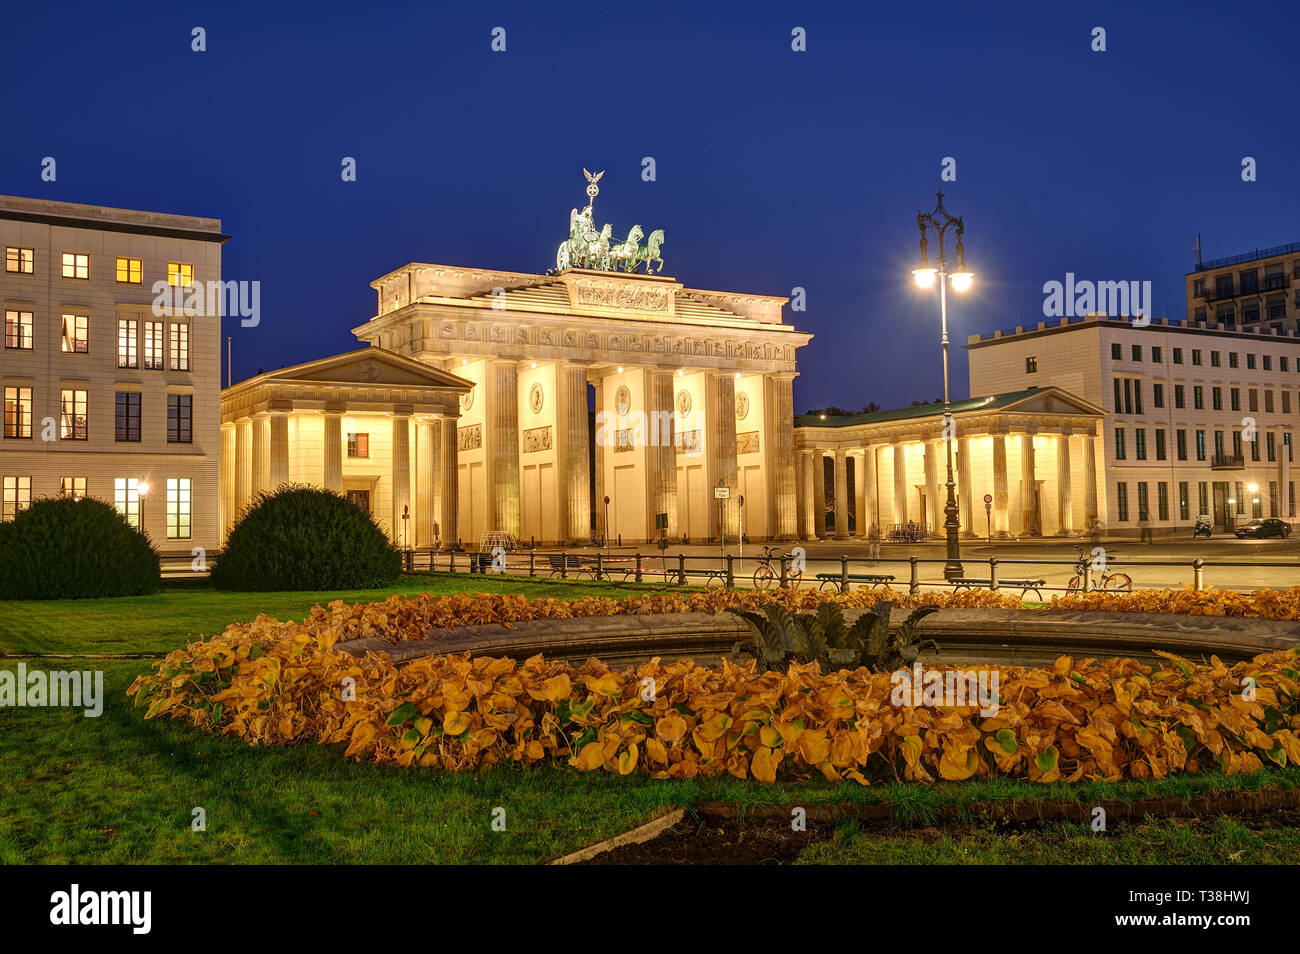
305, 538
62, 548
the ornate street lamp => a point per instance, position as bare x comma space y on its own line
961, 277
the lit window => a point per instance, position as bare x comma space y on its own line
130, 270
75, 339
18, 329
18, 412
180, 273
20, 261
126, 498
76, 265
17, 495
74, 487
178, 508
126, 346
72, 415
1031, 365
180, 335
153, 345
358, 445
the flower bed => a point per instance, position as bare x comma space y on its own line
1261, 604
272, 683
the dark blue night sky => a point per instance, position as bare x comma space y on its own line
775, 169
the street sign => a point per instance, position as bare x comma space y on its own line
721, 493
988, 499
661, 521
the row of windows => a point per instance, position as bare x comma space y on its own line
128, 493
1235, 503
1128, 397
74, 421
1221, 455
1198, 356
130, 271
134, 339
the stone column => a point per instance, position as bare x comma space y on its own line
781, 434
402, 530
604, 433
243, 465
1064, 491
1090, 511
449, 482
426, 474
868, 516
229, 470
577, 450
503, 449
722, 446
662, 452
1028, 488
261, 452
934, 510
333, 452
841, 494
965, 488
819, 494
279, 441
809, 496
1001, 493
900, 484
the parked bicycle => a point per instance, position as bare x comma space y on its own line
1110, 582
765, 575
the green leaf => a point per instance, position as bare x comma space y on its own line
402, 713
1047, 760
1006, 740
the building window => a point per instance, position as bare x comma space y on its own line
180, 273
18, 329
1202, 498
1268, 362
1252, 396
153, 345
1158, 395
1250, 362
1216, 398
1286, 402
1178, 356
1119, 443
1199, 314
1268, 400
1198, 397
1180, 440
1254, 447
1223, 286
1196, 356
126, 498
1031, 366
1121, 499
1236, 445
128, 416
1227, 314
126, 353
1240, 497
1234, 397
1232, 359
20, 261
180, 415
18, 412
17, 495
178, 508
1184, 505
76, 265
1218, 447
1282, 363
180, 334
1214, 359
1160, 444
358, 445
1162, 501
1198, 288
1144, 507
1119, 401
1200, 445
1116, 351
1137, 352
130, 271
1155, 355
1270, 442
72, 415
1272, 498
74, 487
1140, 443
1276, 306
76, 339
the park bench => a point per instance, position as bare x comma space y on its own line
1024, 584
870, 579
563, 563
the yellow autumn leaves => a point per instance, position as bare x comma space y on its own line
269, 683
1261, 604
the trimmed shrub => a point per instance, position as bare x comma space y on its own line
304, 538
61, 548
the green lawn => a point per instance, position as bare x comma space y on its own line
183, 611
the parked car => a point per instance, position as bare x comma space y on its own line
1259, 528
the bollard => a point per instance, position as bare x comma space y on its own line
564, 564
731, 572
785, 571
914, 584
600, 571
451, 561
681, 569
638, 567
532, 562
1198, 574
844, 574
993, 574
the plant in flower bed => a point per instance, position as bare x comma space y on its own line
1261, 604
781, 638
269, 683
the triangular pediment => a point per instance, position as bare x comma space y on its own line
1053, 401
370, 367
